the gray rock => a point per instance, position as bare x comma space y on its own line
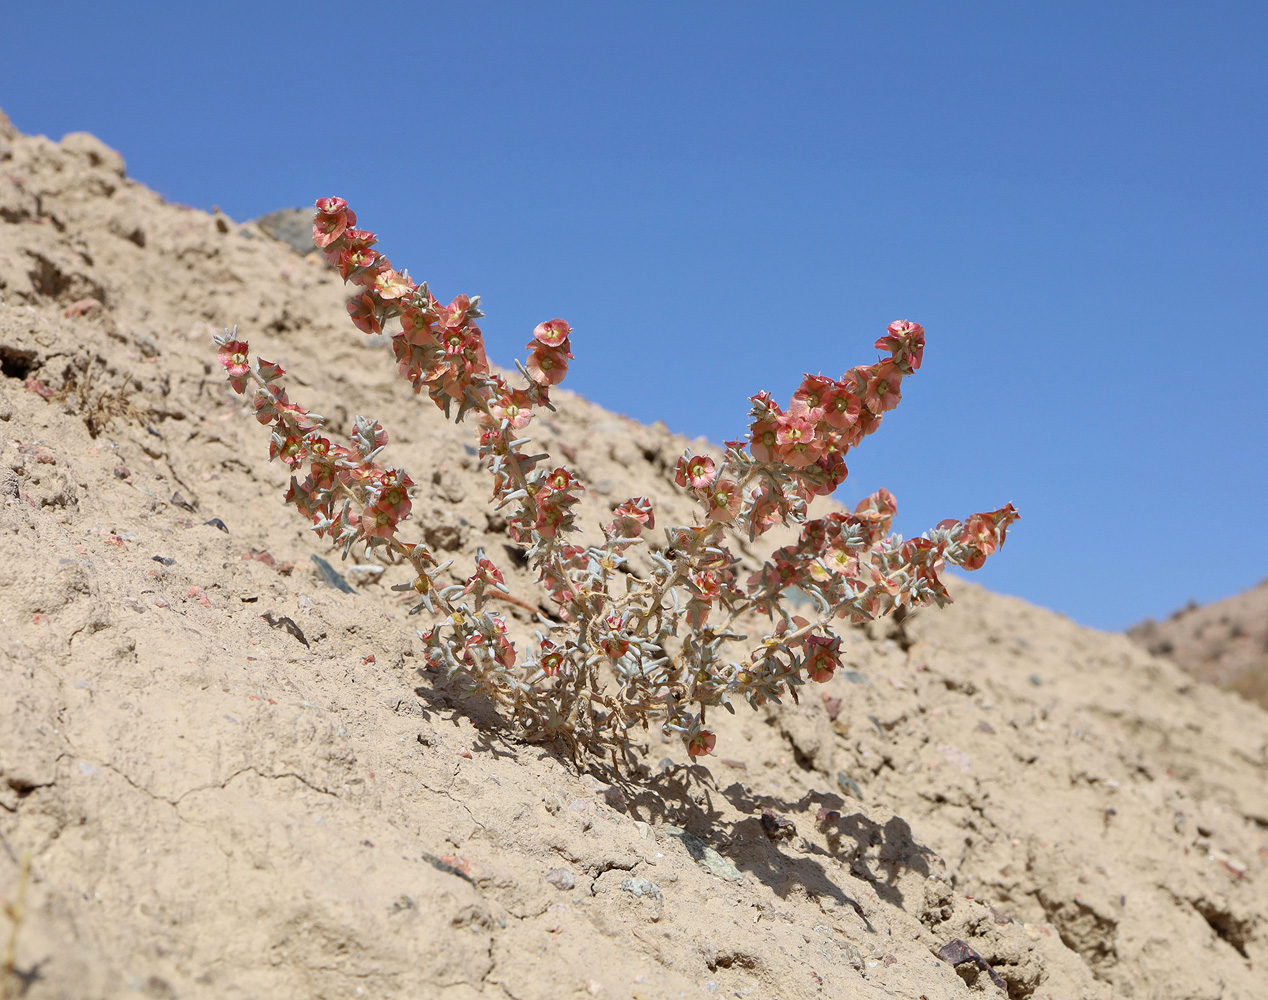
293, 226
642, 887
704, 855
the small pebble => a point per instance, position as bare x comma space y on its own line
639, 887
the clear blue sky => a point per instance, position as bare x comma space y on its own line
1069, 196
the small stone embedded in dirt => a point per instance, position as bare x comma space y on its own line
704, 855
561, 878
638, 887
849, 785
957, 953
777, 827
215, 522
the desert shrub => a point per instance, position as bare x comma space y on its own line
610, 622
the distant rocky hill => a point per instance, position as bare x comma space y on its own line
1224, 643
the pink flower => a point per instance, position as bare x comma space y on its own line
332, 220
763, 440
291, 449
547, 365
550, 517
905, 340
270, 403
706, 582
377, 522
395, 500
512, 406
884, 387
392, 285
364, 312
814, 393
833, 464
766, 511
796, 441
418, 327
486, 575
702, 744
822, 657
552, 333
551, 658
637, 510
560, 479
355, 259
698, 471
841, 409
723, 498
235, 359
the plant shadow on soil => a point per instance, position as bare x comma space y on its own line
685, 796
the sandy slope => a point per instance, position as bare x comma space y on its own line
217, 806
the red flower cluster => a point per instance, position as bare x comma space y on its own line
438, 347
337, 476
827, 417
549, 352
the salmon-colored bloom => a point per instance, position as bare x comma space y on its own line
418, 327
235, 359
511, 405
390, 284
395, 500
486, 575
547, 365
560, 479
377, 522
763, 440
767, 511
797, 442
723, 498
551, 658
833, 465
552, 333
702, 744
332, 220
814, 393
364, 312
841, 409
354, 258
631, 517
884, 387
904, 340
822, 657
270, 403
696, 471
290, 449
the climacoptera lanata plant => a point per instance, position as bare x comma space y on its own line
602, 663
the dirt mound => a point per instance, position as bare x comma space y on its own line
1223, 643
232, 778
